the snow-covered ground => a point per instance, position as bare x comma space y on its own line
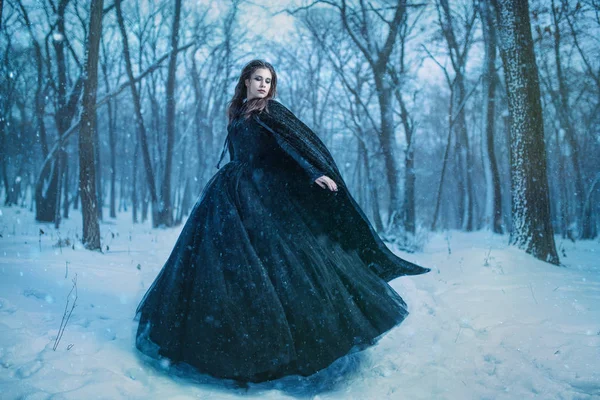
489, 322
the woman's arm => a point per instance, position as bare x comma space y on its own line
312, 172
300, 143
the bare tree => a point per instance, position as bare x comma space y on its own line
48, 201
493, 199
140, 127
352, 71
356, 23
458, 49
166, 208
105, 64
562, 103
532, 229
87, 153
397, 73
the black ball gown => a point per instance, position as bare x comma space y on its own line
272, 275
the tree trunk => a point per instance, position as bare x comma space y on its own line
438, 199
378, 58
66, 188
139, 121
409, 216
61, 161
112, 141
3, 162
198, 131
45, 203
63, 115
409, 213
463, 158
98, 169
532, 230
589, 230
563, 199
87, 133
134, 184
388, 146
371, 193
493, 200
166, 209
562, 111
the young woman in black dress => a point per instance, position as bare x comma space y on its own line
277, 270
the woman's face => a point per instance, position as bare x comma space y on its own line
259, 84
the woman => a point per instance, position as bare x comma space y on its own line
277, 270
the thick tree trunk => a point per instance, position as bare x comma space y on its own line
532, 230
87, 133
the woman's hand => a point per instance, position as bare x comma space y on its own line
327, 183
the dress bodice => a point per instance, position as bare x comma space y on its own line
250, 142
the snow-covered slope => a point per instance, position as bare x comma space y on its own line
489, 322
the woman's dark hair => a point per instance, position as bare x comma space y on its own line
237, 106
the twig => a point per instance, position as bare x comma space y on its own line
531, 288
67, 314
59, 243
40, 239
459, 329
487, 258
448, 242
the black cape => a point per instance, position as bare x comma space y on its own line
348, 222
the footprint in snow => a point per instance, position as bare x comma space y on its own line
6, 307
29, 369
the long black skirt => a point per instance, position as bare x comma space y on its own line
258, 286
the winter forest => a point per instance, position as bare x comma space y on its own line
468, 131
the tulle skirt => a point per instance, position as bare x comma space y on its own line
257, 287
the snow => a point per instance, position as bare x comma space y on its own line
489, 322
